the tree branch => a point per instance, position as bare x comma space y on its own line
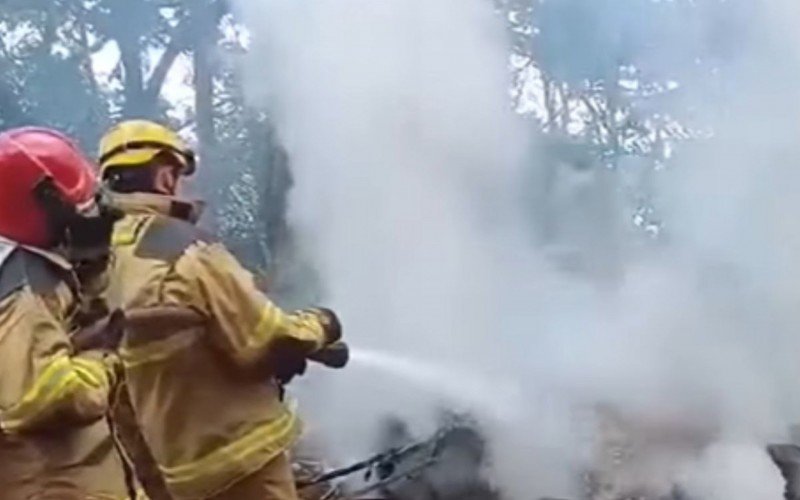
600, 117
13, 113
177, 44
131, 59
86, 57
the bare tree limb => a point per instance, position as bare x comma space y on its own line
86, 49
131, 59
552, 116
177, 44
599, 117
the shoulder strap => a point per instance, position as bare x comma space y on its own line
167, 238
20, 268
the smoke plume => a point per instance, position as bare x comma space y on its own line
412, 175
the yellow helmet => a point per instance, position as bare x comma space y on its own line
134, 143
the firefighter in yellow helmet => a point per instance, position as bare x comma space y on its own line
54, 441
207, 395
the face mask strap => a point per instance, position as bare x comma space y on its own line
85, 238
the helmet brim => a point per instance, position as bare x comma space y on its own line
133, 158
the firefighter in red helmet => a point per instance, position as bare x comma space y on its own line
54, 440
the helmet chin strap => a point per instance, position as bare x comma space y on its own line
84, 233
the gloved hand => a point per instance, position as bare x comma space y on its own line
289, 360
330, 324
290, 366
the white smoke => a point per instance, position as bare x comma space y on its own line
733, 471
410, 174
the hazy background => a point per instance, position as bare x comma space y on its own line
413, 194
575, 219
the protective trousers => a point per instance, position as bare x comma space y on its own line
274, 481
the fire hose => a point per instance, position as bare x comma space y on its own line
107, 332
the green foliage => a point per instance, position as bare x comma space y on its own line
47, 77
609, 74
581, 67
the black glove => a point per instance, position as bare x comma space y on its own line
289, 369
330, 324
287, 362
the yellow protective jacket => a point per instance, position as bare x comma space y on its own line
54, 441
208, 409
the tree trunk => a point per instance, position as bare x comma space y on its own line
204, 38
12, 114
131, 56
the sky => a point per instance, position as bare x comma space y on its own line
177, 90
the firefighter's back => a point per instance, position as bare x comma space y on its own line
208, 424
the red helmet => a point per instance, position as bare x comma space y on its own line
27, 157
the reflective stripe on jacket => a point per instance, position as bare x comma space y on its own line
203, 394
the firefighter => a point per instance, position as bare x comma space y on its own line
207, 396
54, 441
